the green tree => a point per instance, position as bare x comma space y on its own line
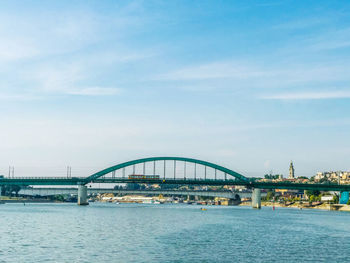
9, 189
58, 198
133, 186
311, 198
335, 199
318, 198
269, 195
271, 176
312, 192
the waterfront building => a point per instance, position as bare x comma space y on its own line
240, 188
345, 178
289, 193
291, 171
341, 177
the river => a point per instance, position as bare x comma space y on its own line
170, 233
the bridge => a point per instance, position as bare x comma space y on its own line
168, 170
73, 191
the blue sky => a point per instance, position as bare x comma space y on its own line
250, 85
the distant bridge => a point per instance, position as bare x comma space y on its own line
169, 170
74, 191
26, 181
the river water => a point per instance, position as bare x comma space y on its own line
170, 233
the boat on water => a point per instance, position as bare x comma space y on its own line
203, 209
150, 202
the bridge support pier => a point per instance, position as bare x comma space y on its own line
256, 198
82, 195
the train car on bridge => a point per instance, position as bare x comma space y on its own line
143, 176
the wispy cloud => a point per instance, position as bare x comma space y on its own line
237, 74
214, 70
94, 91
14, 50
322, 41
310, 96
69, 81
302, 23
18, 97
24, 40
56, 57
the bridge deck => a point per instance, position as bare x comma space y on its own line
74, 191
25, 181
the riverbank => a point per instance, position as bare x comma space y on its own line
324, 206
5, 200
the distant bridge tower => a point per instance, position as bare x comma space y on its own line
291, 171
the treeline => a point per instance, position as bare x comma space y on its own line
9, 190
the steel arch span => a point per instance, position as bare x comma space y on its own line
152, 159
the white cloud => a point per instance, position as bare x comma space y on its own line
15, 49
215, 70
94, 91
323, 41
18, 97
310, 96
66, 79
28, 37
54, 58
234, 75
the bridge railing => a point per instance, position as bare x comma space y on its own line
160, 179
41, 178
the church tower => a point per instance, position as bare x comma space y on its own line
291, 171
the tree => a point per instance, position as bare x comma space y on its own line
269, 195
312, 192
311, 198
58, 198
335, 199
16, 189
132, 186
9, 189
324, 180
271, 176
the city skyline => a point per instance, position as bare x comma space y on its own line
249, 86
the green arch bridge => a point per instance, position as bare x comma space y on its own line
181, 171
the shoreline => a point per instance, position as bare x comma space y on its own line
8, 201
329, 207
